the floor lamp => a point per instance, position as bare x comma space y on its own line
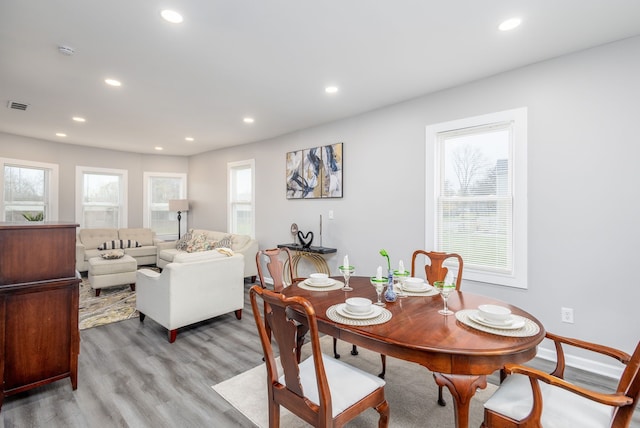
179, 205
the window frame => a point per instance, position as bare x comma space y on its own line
52, 186
518, 277
146, 204
123, 215
231, 166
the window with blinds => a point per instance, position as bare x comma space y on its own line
241, 205
477, 206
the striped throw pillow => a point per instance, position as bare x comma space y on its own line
119, 243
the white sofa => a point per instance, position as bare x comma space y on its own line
240, 244
88, 241
190, 292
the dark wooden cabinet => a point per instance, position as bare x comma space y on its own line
39, 336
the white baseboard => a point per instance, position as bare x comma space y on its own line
608, 370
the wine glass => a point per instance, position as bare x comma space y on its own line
398, 278
378, 284
444, 290
347, 271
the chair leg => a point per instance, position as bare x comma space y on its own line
335, 349
440, 398
383, 359
383, 410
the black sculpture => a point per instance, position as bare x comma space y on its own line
303, 237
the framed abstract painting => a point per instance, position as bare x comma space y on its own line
315, 172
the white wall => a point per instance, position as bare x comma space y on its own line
68, 156
583, 185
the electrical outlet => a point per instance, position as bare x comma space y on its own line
330, 214
566, 315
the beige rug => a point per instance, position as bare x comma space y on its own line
114, 304
410, 391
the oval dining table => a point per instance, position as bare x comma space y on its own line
460, 356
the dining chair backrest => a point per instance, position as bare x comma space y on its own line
303, 388
435, 270
279, 265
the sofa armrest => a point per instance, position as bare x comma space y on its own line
165, 245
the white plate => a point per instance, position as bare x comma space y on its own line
513, 324
329, 283
422, 289
342, 310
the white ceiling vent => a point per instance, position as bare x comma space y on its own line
17, 106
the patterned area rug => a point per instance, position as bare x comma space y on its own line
114, 304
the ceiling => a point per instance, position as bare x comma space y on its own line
269, 60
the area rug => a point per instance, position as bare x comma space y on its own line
410, 391
114, 304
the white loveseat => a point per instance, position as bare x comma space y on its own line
190, 292
240, 244
89, 240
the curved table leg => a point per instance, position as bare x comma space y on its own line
462, 388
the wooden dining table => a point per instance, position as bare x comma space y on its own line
460, 356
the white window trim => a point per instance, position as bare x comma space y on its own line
81, 170
230, 167
146, 195
519, 278
53, 183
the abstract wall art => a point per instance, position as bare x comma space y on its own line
315, 172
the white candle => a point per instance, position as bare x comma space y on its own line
401, 267
345, 262
379, 272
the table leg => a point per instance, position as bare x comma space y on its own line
462, 388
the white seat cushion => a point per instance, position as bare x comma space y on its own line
348, 384
561, 408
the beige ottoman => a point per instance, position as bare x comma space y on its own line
107, 273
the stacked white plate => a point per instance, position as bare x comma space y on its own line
374, 312
310, 283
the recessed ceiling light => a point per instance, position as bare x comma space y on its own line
112, 82
248, 120
510, 24
171, 16
158, 148
79, 119
331, 89
188, 138
60, 134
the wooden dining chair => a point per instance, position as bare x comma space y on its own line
278, 263
533, 398
435, 270
276, 267
321, 390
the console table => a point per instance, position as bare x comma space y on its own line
311, 254
39, 336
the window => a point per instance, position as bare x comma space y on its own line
29, 188
477, 197
241, 216
101, 196
158, 189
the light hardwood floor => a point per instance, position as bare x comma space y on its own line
131, 376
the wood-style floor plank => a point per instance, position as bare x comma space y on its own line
131, 376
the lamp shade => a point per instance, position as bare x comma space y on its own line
179, 205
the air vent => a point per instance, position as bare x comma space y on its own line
17, 106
